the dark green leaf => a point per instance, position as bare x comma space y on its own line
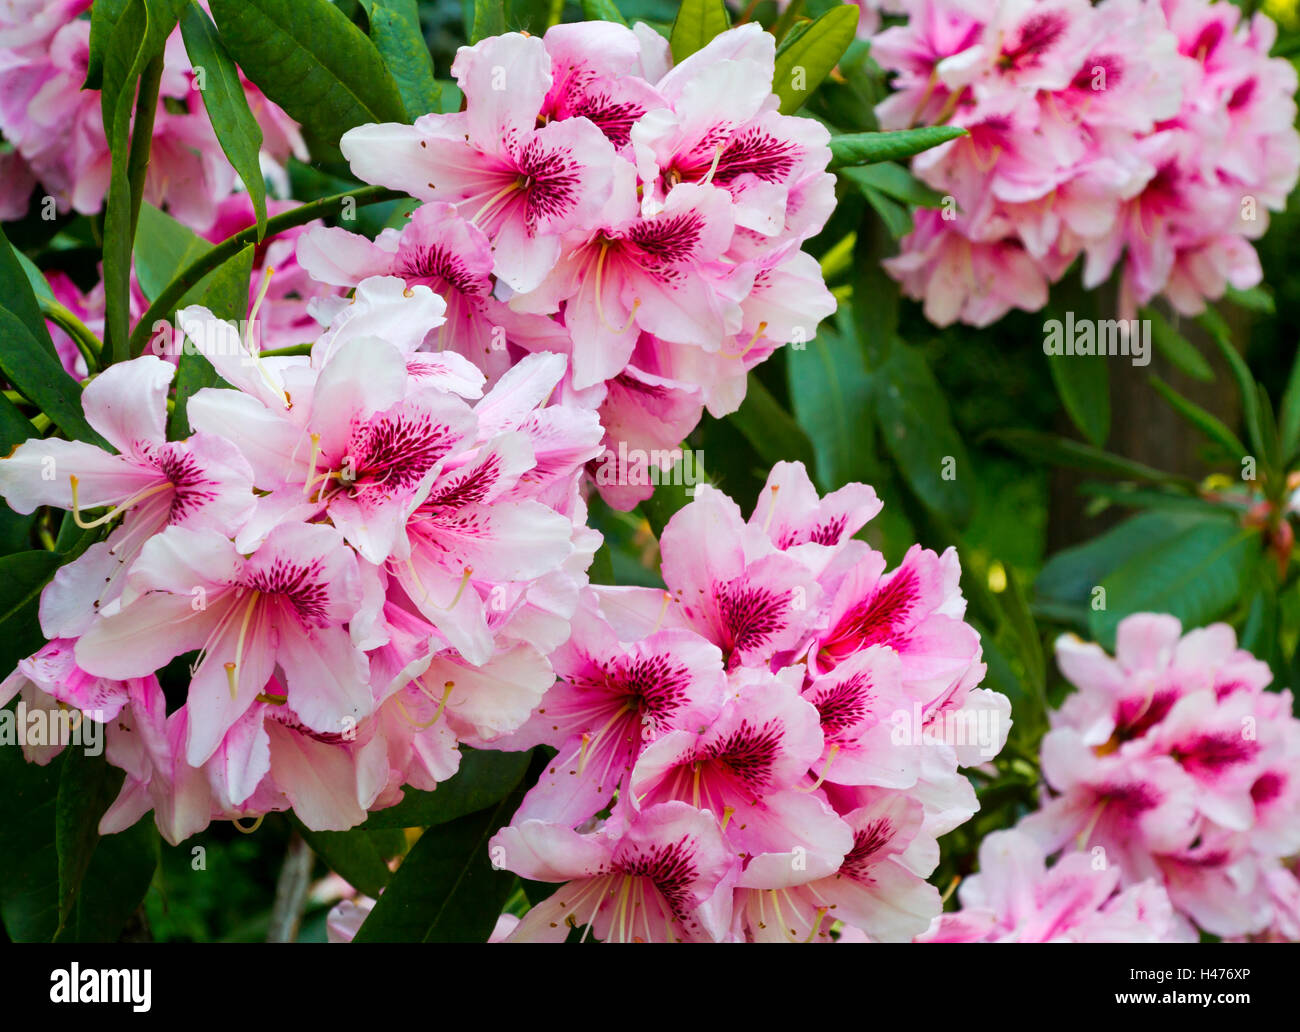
896, 218
484, 778
354, 855
29, 865
1083, 383
1177, 348
311, 60
1208, 424
697, 22
894, 181
1196, 575
395, 28
17, 294
22, 577
119, 875
87, 786
447, 889
769, 428
1218, 329
103, 16
1289, 417
1062, 452
867, 148
227, 105
915, 426
40, 377
830, 392
804, 61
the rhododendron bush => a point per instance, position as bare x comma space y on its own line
518, 471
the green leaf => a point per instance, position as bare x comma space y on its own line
912, 414
18, 293
1256, 299
484, 778
770, 429
395, 29
22, 578
1177, 348
227, 105
602, 10
894, 181
1196, 575
868, 148
354, 855
1083, 383
1059, 451
29, 866
164, 246
87, 786
1289, 417
896, 218
311, 60
697, 22
1071, 574
40, 377
103, 16
489, 19
447, 889
830, 391
1218, 329
1208, 424
135, 44
803, 62
121, 870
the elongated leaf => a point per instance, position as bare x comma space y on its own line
830, 391
485, 777
1197, 575
697, 22
867, 148
165, 247
602, 10
17, 293
803, 62
87, 785
1255, 299
395, 29
120, 871
29, 865
489, 19
1071, 575
40, 377
1062, 452
312, 61
895, 217
1218, 329
1211, 426
1289, 417
770, 429
447, 889
1177, 348
354, 855
227, 105
894, 181
103, 16
912, 414
22, 577
1083, 383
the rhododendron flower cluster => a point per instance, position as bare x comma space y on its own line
768, 749
1152, 136
365, 559
1174, 763
644, 219
57, 129
1015, 897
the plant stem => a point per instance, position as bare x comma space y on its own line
171, 295
87, 343
291, 891
137, 169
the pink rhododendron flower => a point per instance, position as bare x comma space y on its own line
1149, 137
805, 709
1174, 761
593, 201
1015, 897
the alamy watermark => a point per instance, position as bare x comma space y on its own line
1130, 338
